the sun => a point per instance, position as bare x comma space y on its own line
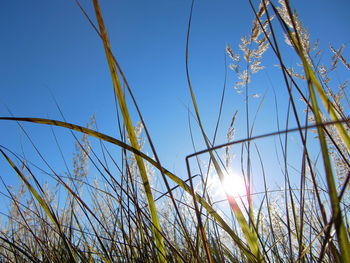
233, 185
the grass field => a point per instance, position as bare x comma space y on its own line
117, 203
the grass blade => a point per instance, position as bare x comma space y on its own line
132, 136
314, 86
172, 176
44, 205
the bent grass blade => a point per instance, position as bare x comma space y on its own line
245, 249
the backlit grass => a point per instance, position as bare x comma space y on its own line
119, 204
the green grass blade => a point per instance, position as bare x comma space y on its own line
332, 190
132, 136
250, 234
329, 106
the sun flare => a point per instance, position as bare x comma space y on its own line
233, 185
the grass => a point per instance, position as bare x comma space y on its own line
123, 215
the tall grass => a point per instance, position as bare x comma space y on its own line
123, 214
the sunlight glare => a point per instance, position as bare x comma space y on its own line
234, 185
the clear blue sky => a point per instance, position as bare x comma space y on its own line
48, 46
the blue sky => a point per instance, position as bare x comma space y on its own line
49, 47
